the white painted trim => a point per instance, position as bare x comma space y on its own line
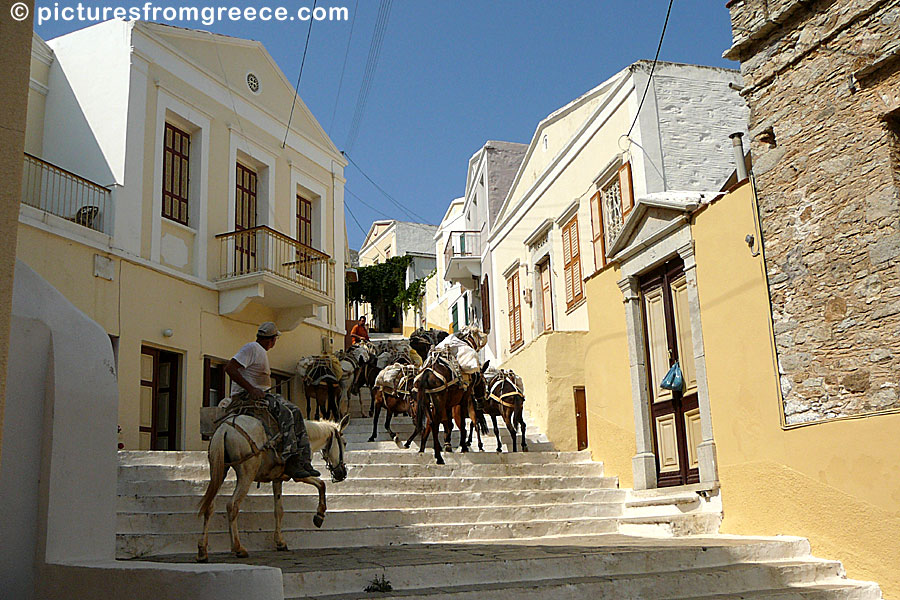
319, 196
199, 184
153, 49
39, 87
510, 218
40, 50
264, 162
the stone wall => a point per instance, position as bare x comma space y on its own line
823, 85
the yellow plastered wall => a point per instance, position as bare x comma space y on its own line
835, 483
610, 409
139, 304
550, 375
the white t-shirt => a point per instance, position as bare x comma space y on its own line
255, 367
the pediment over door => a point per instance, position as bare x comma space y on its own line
654, 217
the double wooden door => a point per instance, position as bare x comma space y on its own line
675, 415
245, 246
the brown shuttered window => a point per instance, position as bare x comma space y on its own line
597, 234
572, 263
304, 221
486, 305
176, 171
515, 311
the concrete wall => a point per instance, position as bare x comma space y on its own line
835, 482
610, 408
550, 368
59, 495
15, 49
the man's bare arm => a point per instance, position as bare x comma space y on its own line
233, 369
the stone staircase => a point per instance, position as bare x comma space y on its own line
485, 525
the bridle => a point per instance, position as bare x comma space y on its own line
338, 471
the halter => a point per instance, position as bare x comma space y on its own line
326, 451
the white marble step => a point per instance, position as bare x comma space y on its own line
389, 455
262, 519
387, 484
149, 473
261, 499
516, 566
730, 580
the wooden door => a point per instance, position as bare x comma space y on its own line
675, 415
581, 418
304, 235
159, 400
245, 218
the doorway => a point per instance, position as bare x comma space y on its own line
159, 402
675, 415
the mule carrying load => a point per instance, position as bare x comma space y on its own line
443, 387
505, 398
321, 376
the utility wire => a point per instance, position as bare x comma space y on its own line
344, 68
362, 99
355, 220
297, 88
652, 67
386, 195
423, 226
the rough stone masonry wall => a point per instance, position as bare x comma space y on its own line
828, 195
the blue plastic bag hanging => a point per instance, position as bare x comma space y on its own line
674, 380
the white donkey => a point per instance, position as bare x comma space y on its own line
242, 440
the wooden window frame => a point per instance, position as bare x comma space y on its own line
546, 294
513, 293
177, 202
304, 221
572, 263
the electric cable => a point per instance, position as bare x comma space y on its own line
297, 88
652, 68
362, 98
344, 68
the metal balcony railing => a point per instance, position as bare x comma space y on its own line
64, 194
264, 250
463, 244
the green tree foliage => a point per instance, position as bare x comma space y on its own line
384, 287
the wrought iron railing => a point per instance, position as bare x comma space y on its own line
64, 194
263, 250
463, 244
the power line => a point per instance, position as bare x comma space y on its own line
355, 220
344, 68
652, 67
362, 99
386, 195
297, 88
423, 226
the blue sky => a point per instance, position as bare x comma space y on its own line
454, 73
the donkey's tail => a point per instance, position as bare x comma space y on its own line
217, 470
482, 423
421, 399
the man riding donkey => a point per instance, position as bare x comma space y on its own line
250, 382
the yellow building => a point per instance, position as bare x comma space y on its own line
390, 238
696, 291
581, 173
158, 198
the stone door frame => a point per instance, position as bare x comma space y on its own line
673, 240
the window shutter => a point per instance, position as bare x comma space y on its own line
576, 260
625, 187
597, 233
512, 311
486, 305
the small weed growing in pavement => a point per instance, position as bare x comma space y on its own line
379, 585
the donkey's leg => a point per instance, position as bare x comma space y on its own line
509, 419
207, 509
435, 432
375, 421
320, 510
279, 515
425, 435
244, 479
521, 421
388, 417
497, 433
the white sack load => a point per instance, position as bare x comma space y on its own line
464, 353
389, 378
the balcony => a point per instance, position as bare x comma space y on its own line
267, 267
54, 190
462, 258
